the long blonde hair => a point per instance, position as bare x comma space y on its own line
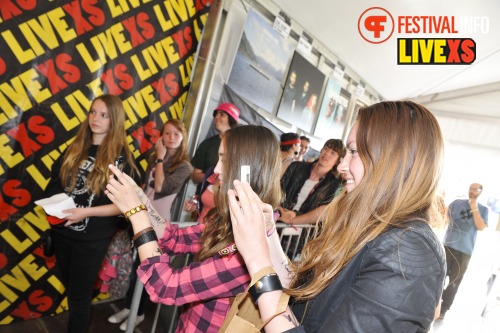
181, 154
401, 147
113, 145
251, 145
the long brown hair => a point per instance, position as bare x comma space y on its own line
401, 147
113, 145
181, 154
339, 147
251, 145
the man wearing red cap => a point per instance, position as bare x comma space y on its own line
226, 116
290, 146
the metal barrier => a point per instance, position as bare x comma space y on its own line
292, 239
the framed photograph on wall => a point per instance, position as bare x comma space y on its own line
261, 62
333, 112
300, 99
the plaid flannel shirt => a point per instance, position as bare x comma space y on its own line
204, 287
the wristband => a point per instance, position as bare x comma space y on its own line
142, 232
291, 224
134, 210
159, 161
474, 210
270, 231
228, 250
147, 237
270, 282
271, 223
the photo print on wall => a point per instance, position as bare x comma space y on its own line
299, 102
333, 112
261, 62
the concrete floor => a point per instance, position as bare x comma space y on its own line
471, 313
474, 311
463, 317
100, 314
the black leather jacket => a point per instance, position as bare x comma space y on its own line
392, 285
294, 178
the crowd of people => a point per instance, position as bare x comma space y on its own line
375, 263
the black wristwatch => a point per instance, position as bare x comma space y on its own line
159, 161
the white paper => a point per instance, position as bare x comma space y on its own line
56, 204
338, 73
304, 46
282, 27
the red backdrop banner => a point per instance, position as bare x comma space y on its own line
55, 57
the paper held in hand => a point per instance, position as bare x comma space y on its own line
56, 204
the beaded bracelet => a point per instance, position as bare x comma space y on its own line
134, 210
228, 250
147, 237
142, 232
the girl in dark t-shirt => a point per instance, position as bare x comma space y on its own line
80, 243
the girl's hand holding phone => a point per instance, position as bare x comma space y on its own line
249, 225
122, 190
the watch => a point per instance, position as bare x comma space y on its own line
159, 161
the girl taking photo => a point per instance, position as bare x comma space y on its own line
218, 272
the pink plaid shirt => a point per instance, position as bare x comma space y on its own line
204, 287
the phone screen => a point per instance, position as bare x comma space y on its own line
119, 162
245, 174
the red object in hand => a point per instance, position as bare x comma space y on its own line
54, 220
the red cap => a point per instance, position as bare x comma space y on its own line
230, 109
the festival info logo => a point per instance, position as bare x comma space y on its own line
376, 25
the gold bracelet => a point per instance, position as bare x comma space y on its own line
474, 210
134, 210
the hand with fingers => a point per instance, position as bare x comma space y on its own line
161, 150
77, 215
249, 226
123, 191
287, 215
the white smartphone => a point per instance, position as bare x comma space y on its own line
245, 174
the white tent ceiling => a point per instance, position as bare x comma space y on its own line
465, 98
333, 23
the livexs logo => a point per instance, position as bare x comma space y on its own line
376, 25
436, 51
